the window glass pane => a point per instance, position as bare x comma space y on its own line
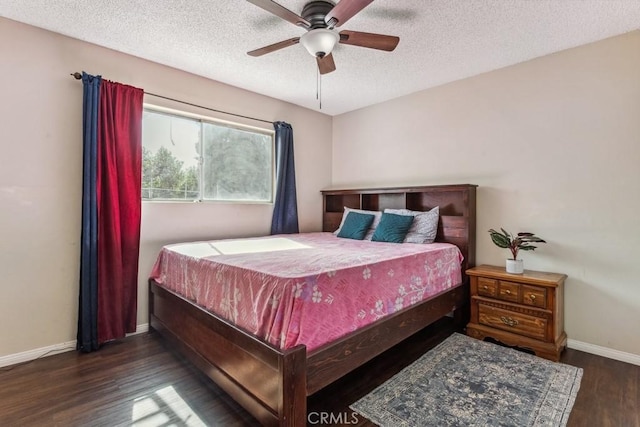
188, 158
170, 160
237, 164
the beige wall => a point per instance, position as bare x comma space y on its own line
554, 145
41, 175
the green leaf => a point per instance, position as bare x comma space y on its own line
499, 239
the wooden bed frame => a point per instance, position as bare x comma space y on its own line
273, 384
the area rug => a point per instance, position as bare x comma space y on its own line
467, 382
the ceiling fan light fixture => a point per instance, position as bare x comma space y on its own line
320, 42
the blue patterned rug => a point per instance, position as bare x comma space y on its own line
467, 382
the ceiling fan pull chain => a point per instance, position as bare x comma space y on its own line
319, 87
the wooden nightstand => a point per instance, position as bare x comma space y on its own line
524, 310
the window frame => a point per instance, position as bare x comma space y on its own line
218, 122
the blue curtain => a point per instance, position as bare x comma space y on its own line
285, 209
87, 339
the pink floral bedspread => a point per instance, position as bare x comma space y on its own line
306, 288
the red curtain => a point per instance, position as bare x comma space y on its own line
119, 205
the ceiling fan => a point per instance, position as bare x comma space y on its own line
320, 18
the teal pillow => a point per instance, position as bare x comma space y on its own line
392, 228
356, 225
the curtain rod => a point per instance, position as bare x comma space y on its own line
78, 76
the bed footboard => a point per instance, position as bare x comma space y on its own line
336, 359
269, 383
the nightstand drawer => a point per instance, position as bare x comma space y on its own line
487, 287
517, 323
509, 291
534, 295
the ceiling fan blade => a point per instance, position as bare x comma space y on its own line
370, 40
343, 11
274, 47
282, 12
326, 64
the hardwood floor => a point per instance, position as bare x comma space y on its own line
139, 382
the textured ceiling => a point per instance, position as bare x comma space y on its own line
440, 40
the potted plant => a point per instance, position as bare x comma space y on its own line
520, 242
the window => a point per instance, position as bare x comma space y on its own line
188, 158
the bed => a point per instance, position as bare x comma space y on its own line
271, 372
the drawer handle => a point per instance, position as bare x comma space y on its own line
509, 321
485, 287
508, 292
533, 297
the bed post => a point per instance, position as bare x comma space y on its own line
293, 406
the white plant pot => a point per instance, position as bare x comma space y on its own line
515, 266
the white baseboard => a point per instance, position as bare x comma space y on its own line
140, 329
609, 353
37, 353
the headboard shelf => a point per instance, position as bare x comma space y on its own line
457, 204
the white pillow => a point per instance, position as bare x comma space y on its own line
376, 220
424, 227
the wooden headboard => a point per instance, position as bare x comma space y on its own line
457, 204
